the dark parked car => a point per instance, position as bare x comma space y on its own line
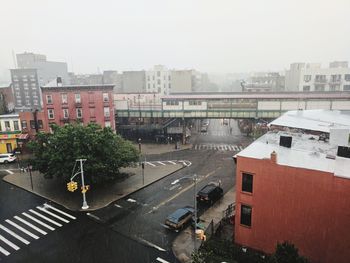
209, 194
179, 218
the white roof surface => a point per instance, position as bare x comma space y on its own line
306, 152
315, 120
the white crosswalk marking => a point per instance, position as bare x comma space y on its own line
241, 147
30, 225
162, 260
161, 163
235, 147
22, 229
196, 147
60, 211
171, 162
44, 217
4, 251
151, 164
52, 214
8, 242
230, 148
38, 221
14, 235
218, 147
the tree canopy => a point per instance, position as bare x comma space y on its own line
54, 154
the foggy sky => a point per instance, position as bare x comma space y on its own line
211, 36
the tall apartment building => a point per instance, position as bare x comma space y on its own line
82, 103
312, 77
295, 186
158, 80
34, 71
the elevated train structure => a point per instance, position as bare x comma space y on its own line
232, 105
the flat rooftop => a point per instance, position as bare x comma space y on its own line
306, 152
314, 120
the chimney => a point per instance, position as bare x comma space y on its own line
59, 81
273, 157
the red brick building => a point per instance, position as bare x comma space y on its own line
82, 103
31, 122
296, 187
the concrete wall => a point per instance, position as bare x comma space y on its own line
181, 81
306, 207
134, 81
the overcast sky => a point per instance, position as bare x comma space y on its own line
211, 36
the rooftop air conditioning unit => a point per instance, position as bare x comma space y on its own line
343, 151
286, 141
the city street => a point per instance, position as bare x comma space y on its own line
130, 229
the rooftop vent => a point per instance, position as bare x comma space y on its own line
286, 141
343, 151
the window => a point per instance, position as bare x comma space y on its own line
50, 114
306, 88
169, 86
247, 182
334, 87
159, 89
106, 112
32, 124
320, 78
148, 78
19, 102
107, 124
40, 124
64, 98
105, 97
35, 102
346, 87
172, 103
79, 113
24, 124
158, 73
77, 98
7, 126
307, 78
195, 102
18, 94
158, 81
28, 102
335, 78
16, 125
169, 78
347, 77
319, 88
153, 77
246, 215
65, 113
49, 99
26, 94
148, 86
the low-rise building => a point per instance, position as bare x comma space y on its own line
81, 103
294, 186
10, 132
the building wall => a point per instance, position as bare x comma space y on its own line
92, 105
8, 101
306, 207
181, 81
9, 132
134, 81
28, 124
158, 80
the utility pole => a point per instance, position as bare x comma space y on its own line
30, 174
195, 211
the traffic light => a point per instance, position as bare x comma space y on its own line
85, 188
72, 186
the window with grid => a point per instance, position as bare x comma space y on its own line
49, 99
79, 113
50, 114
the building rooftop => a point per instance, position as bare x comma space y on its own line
306, 151
314, 120
94, 86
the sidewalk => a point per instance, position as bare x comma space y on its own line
183, 244
154, 148
99, 197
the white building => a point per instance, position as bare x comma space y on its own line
312, 77
158, 80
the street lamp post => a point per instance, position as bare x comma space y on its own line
195, 211
30, 167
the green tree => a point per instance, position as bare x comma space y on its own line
55, 153
288, 253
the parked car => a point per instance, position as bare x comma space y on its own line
179, 218
7, 158
209, 194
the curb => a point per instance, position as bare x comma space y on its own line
91, 210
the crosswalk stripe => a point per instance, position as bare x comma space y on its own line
235, 148
151, 164
52, 214
171, 162
44, 217
38, 221
161, 163
162, 260
30, 225
8, 242
241, 147
229, 148
60, 211
14, 235
22, 229
196, 147
4, 251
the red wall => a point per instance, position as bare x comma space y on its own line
309, 208
87, 96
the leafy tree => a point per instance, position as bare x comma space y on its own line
55, 153
287, 253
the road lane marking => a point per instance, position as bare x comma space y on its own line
22, 229
241, 147
10, 172
4, 251
14, 235
38, 221
162, 260
151, 164
52, 214
60, 211
196, 147
161, 163
171, 162
131, 200
182, 191
229, 147
8, 242
119, 206
151, 244
235, 148
30, 225
46, 218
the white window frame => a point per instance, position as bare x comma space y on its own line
51, 114
79, 110
49, 99
106, 112
108, 124
64, 98
105, 97
77, 98
65, 113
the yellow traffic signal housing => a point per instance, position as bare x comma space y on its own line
72, 186
85, 189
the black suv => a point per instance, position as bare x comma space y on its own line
209, 194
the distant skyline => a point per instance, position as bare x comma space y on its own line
222, 36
